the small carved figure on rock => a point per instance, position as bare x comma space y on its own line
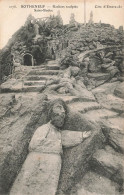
111, 69
68, 82
91, 18
36, 26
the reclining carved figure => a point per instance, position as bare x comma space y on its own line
41, 169
67, 82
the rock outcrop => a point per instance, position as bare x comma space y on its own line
18, 123
96, 165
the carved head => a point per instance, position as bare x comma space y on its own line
57, 113
75, 71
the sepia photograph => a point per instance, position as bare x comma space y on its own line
61, 97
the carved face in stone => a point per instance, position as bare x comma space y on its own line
58, 115
74, 71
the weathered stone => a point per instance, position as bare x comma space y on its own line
81, 49
32, 83
16, 132
92, 68
107, 88
74, 52
107, 99
88, 40
20, 88
98, 76
68, 99
114, 103
117, 122
20, 120
74, 29
119, 90
120, 29
84, 107
52, 67
44, 72
108, 163
91, 47
94, 184
75, 159
37, 78
114, 135
100, 114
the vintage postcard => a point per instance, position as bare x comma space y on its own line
61, 97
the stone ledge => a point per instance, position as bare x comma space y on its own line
108, 163
75, 160
18, 135
114, 136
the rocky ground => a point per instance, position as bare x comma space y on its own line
94, 167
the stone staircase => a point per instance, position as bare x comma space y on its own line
36, 78
33, 80
106, 172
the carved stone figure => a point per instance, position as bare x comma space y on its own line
91, 18
40, 171
36, 26
72, 19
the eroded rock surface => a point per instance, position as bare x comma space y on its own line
99, 110
18, 124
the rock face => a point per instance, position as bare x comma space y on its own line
106, 97
93, 184
17, 128
98, 110
109, 164
72, 169
20, 138
119, 90
115, 137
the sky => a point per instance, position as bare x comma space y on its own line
12, 16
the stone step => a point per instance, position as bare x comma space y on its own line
36, 88
51, 67
32, 83
75, 159
105, 96
84, 107
68, 99
113, 131
119, 90
94, 184
38, 78
46, 67
52, 62
84, 97
22, 88
111, 102
38, 67
84, 93
108, 163
106, 88
32, 89
117, 123
97, 115
43, 72
98, 76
